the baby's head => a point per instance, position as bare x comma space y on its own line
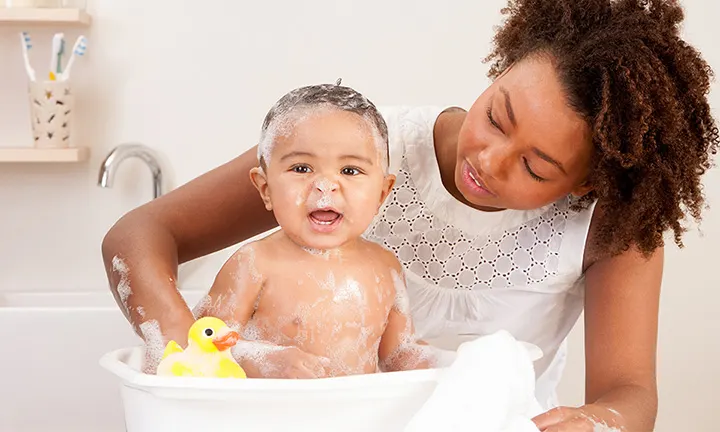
323, 165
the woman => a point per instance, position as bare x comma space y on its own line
549, 196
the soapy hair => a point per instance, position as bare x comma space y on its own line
308, 99
642, 90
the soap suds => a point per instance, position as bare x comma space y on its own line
282, 126
202, 307
614, 412
325, 201
600, 426
402, 300
326, 188
409, 354
154, 345
247, 267
299, 104
141, 311
350, 290
323, 253
328, 283
123, 287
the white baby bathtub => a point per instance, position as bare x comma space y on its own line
382, 402
50, 379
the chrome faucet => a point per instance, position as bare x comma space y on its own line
124, 151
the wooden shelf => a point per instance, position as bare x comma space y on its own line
25, 16
38, 155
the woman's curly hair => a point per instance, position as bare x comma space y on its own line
643, 91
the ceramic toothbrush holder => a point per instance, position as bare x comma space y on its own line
51, 110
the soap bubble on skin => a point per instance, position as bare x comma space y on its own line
247, 267
326, 188
349, 291
601, 426
202, 307
282, 126
123, 287
409, 354
289, 117
154, 345
402, 300
323, 253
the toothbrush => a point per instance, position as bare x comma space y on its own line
26, 45
57, 47
78, 50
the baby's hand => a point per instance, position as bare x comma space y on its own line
292, 362
271, 361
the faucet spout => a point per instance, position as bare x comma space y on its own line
109, 167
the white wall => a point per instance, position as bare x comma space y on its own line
194, 83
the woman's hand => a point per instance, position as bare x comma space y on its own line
588, 418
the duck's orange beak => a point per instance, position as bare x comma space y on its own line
226, 341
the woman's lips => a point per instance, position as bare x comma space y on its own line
474, 182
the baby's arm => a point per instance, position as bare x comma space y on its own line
399, 348
232, 298
235, 289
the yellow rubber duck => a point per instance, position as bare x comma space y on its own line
207, 354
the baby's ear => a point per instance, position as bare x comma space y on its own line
259, 179
388, 183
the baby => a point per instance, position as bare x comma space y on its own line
314, 299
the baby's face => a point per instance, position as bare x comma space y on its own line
325, 180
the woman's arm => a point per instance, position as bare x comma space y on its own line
621, 321
143, 249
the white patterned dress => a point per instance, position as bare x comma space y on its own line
471, 272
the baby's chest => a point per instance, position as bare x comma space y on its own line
326, 298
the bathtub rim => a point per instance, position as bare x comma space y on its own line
115, 363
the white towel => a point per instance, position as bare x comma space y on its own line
490, 387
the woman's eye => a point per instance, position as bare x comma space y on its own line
350, 171
491, 119
532, 173
301, 169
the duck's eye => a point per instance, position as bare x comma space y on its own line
208, 332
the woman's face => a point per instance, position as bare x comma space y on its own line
521, 145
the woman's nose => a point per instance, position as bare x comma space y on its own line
493, 160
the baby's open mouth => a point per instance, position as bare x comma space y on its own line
325, 220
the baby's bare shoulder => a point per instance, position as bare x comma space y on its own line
385, 256
251, 254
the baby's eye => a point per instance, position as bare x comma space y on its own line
351, 171
300, 169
